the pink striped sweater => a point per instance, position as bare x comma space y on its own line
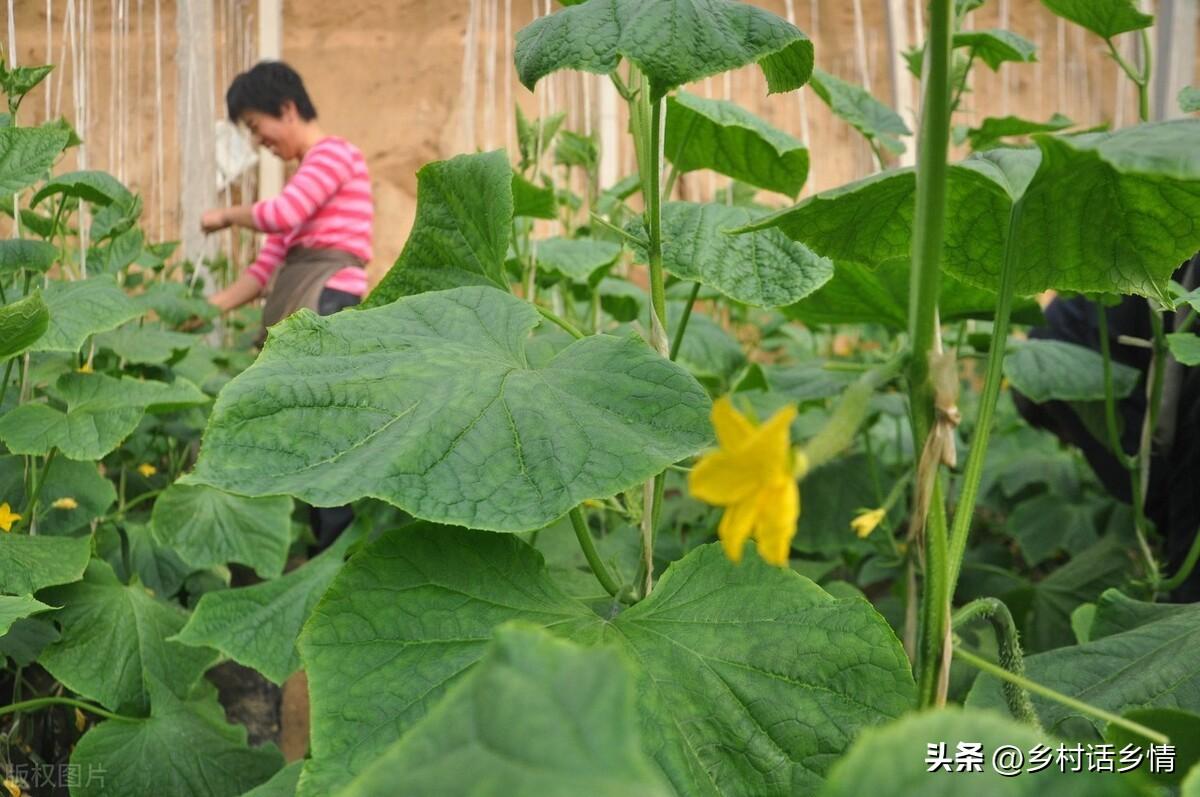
325, 205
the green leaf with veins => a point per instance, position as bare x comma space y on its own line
185, 747
577, 702
724, 137
96, 187
25, 253
672, 41
15, 607
146, 344
858, 294
1050, 370
114, 637
461, 232
1105, 18
1185, 347
1074, 231
583, 260
22, 324
857, 107
994, 129
429, 403
257, 626
533, 201
995, 47
29, 563
209, 527
79, 481
101, 412
80, 308
26, 155
750, 679
764, 269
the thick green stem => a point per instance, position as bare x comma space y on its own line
588, 545
973, 473
996, 613
44, 702
997, 671
928, 237
683, 321
658, 293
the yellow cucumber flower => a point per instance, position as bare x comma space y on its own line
65, 503
12, 787
147, 470
86, 368
866, 522
7, 517
751, 474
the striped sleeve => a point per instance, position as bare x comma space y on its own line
324, 170
273, 252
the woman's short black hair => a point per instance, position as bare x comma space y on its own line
265, 88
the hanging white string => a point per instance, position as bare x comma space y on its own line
49, 52
68, 33
470, 78
12, 34
160, 189
112, 81
491, 18
509, 121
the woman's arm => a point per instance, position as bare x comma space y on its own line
219, 218
244, 289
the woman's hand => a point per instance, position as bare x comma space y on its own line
214, 220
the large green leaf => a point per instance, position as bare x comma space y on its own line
257, 626
429, 403
184, 749
99, 188
25, 253
894, 761
146, 344
282, 783
29, 563
994, 129
26, 154
708, 351
532, 200
22, 323
1046, 370
90, 493
855, 106
764, 269
858, 294
174, 303
1048, 523
751, 679
114, 638
14, 607
461, 232
1116, 613
1150, 665
995, 47
1185, 347
1105, 18
82, 308
578, 704
1070, 199
101, 412
583, 260
209, 527
672, 41
142, 557
724, 137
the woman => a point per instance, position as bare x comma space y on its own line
318, 230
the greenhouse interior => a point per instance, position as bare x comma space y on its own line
586, 398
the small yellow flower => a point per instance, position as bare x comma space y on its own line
866, 522
7, 517
752, 476
147, 470
14, 790
65, 503
86, 368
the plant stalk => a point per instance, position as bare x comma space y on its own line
677, 342
588, 545
928, 237
43, 702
